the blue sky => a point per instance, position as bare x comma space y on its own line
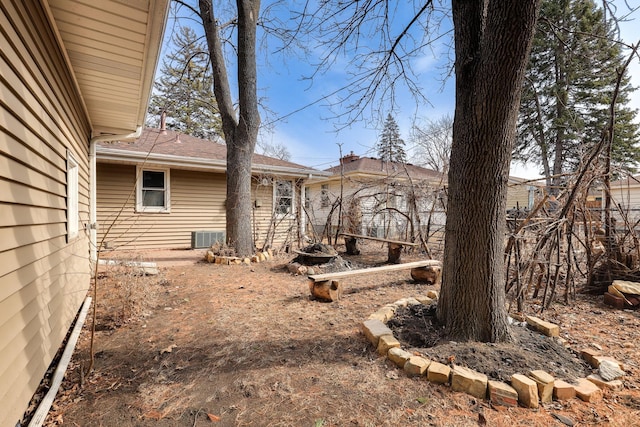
311, 136
310, 131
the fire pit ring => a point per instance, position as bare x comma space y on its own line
307, 258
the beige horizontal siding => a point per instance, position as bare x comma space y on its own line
626, 196
272, 230
518, 195
197, 203
43, 278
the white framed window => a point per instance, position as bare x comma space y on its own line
307, 197
324, 196
283, 194
152, 190
73, 216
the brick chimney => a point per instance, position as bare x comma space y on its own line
349, 158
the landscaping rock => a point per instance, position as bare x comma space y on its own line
413, 301
614, 301
387, 342
602, 384
401, 302
398, 356
544, 382
527, 390
425, 300
562, 390
438, 373
416, 365
587, 391
469, 381
589, 355
547, 328
502, 394
383, 314
610, 370
600, 359
373, 329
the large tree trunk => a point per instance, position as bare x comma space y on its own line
492, 44
240, 133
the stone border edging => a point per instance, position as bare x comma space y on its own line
212, 258
528, 390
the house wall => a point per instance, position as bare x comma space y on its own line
317, 211
518, 195
264, 223
368, 216
628, 198
270, 229
197, 203
43, 277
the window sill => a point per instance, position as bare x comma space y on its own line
153, 211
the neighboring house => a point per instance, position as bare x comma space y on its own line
71, 73
382, 199
522, 194
625, 198
168, 190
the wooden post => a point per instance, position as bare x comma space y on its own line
395, 250
352, 245
326, 290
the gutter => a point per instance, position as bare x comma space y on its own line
93, 209
113, 154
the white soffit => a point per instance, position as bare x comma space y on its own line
112, 47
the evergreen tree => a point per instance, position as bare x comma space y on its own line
568, 90
391, 146
185, 89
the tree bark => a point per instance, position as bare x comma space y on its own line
240, 129
492, 45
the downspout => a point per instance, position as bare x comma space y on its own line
303, 209
93, 211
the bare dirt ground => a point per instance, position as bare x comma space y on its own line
204, 344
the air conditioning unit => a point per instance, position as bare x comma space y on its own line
204, 239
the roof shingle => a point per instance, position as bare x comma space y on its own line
177, 144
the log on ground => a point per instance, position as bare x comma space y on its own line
429, 274
326, 290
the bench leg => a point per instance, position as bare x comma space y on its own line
326, 290
395, 250
352, 246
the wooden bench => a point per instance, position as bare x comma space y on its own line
395, 246
328, 287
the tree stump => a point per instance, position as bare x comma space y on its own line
326, 290
352, 245
429, 274
395, 250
